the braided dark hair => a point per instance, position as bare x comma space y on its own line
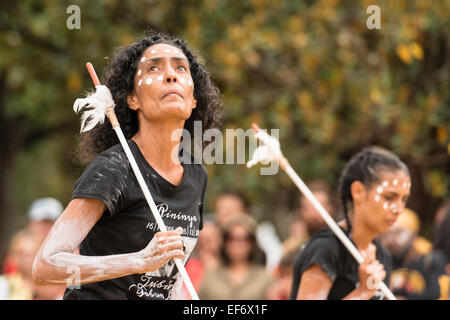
366, 167
119, 78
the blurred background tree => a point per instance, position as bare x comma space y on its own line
310, 68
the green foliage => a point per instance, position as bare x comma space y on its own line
310, 68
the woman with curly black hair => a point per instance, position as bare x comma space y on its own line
159, 87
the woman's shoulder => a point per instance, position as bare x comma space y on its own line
324, 236
111, 163
113, 155
115, 151
322, 243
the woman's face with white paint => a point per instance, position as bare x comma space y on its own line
164, 88
385, 200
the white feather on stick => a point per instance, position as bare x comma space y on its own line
266, 153
94, 107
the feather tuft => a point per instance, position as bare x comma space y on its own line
266, 153
93, 107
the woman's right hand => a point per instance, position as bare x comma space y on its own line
162, 248
371, 271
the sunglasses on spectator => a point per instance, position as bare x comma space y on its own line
231, 238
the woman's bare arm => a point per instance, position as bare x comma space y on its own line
55, 263
315, 284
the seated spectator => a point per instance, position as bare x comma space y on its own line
442, 241
18, 284
228, 204
415, 275
231, 203
308, 219
280, 289
240, 278
42, 214
206, 255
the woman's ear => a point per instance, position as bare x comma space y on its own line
194, 105
358, 191
132, 101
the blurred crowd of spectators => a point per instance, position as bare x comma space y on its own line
16, 282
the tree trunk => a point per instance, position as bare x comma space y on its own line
8, 149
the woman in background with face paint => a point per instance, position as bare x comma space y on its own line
159, 87
373, 189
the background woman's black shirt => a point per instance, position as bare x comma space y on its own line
327, 251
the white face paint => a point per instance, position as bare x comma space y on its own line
153, 51
148, 81
182, 80
139, 72
143, 59
190, 82
140, 82
389, 205
160, 77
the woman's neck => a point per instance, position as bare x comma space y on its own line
362, 236
159, 143
210, 259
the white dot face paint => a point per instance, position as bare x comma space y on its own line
139, 72
140, 82
395, 182
385, 206
167, 50
143, 59
377, 198
182, 80
394, 207
160, 77
148, 81
153, 51
405, 185
385, 184
190, 82
379, 189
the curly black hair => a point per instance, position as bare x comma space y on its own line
119, 75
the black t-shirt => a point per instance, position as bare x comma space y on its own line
128, 225
327, 251
422, 279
